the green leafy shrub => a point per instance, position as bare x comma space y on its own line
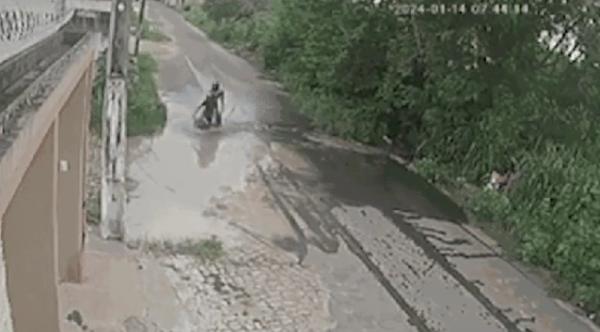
491, 206
146, 114
227, 22
430, 170
558, 217
98, 95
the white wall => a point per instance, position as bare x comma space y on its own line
45, 6
29, 21
24, 18
92, 5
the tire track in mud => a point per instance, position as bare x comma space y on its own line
421, 240
414, 235
432, 253
303, 246
356, 248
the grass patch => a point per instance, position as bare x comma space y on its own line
93, 209
146, 114
205, 249
152, 32
134, 18
98, 95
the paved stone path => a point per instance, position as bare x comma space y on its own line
253, 288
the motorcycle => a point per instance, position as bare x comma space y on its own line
205, 120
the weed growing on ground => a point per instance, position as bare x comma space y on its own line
93, 209
152, 32
203, 249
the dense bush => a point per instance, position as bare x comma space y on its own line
464, 94
146, 114
228, 22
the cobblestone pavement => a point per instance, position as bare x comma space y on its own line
258, 289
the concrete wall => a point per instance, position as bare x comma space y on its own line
72, 139
19, 22
40, 200
29, 237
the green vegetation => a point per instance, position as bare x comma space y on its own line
152, 32
146, 114
205, 249
98, 95
234, 23
93, 205
463, 95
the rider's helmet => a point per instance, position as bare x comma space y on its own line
215, 86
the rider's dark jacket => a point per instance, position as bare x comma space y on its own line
211, 102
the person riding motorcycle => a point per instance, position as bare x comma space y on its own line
211, 105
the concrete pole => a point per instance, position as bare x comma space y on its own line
139, 30
114, 141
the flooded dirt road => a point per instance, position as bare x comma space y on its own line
320, 235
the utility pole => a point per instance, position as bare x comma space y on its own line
114, 135
139, 29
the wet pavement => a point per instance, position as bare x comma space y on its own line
384, 250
